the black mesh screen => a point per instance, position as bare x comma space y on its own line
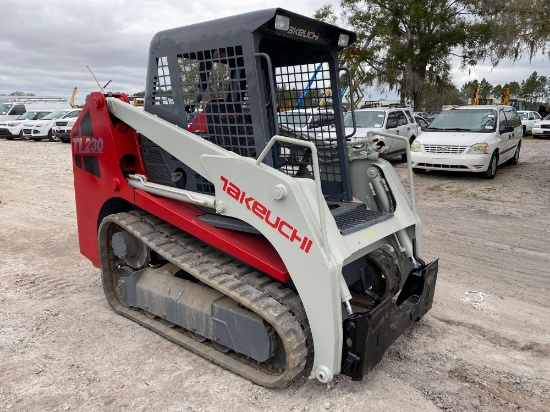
304, 106
162, 88
215, 95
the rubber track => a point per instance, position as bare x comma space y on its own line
279, 306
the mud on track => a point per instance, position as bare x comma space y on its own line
484, 346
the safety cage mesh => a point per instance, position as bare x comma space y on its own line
162, 88
305, 112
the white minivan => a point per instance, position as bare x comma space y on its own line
469, 139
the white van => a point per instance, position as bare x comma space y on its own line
9, 111
469, 139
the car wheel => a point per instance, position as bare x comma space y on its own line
52, 138
515, 160
418, 171
524, 130
9, 137
491, 171
21, 135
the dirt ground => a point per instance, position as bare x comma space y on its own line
484, 346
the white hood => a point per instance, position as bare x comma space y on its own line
452, 138
362, 131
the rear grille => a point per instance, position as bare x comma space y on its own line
440, 166
445, 149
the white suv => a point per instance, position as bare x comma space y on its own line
398, 121
62, 127
42, 129
14, 128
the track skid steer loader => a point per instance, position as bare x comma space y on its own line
270, 244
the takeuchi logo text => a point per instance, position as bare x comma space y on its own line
261, 211
303, 33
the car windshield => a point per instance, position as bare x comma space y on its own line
27, 116
374, 119
465, 121
4, 108
294, 119
55, 115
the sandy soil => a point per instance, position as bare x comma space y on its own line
485, 345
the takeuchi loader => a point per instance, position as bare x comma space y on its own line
271, 247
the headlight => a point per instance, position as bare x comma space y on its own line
70, 124
416, 147
537, 125
479, 148
12, 124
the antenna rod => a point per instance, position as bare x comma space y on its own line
100, 88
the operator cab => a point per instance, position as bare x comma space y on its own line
231, 80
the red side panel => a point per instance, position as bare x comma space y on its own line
102, 153
252, 249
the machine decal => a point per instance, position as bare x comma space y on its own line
283, 227
87, 145
303, 33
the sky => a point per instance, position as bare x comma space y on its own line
45, 46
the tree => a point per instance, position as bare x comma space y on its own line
467, 90
485, 88
515, 89
497, 90
519, 27
21, 94
437, 95
411, 41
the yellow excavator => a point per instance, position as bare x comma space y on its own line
71, 102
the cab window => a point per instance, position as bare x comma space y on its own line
502, 122
18, 110
401, 118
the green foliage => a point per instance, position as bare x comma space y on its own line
411, 41
533, 89
520, 28
485, 88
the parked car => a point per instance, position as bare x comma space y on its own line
14, 128
397, 121
306, 119
11, 111
421, 122
528, 119
42, 129
431, 116
542, 127
469, 139
420, 114
311, 124
62, 127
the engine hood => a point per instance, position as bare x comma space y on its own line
362, 131
453, 138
